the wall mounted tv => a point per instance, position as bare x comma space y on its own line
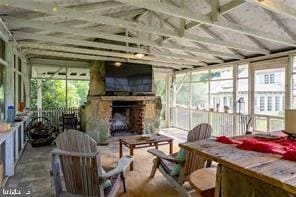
128, 77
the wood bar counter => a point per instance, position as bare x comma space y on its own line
247, 173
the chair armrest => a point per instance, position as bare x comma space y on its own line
122, 164
74, 154
161, 155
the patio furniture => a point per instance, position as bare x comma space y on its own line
244, 173
79, 161
203, 181
69, 121
192, 162
40, 132
136, 142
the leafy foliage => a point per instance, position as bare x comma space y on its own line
54, 93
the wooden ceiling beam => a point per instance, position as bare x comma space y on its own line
96, 57
59, 40
90, 7
222, 10
52, 47
15, 23
189, 15
251, 38
275, 6
278, 21
76, 64
95, 18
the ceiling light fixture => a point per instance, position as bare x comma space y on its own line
139, 55
117, 64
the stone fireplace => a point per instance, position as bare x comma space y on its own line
106, 116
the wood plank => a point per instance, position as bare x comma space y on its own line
15, 23
266, 167
275, 6
189, 15
95, 18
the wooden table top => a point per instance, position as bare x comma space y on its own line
138, 139
269, 168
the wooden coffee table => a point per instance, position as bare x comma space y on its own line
136, 142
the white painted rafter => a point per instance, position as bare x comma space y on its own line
281, 24
75, 42
90, 7
222, 10
96, 57
275, 6
251, 38
89, 25
189, 15
15, 23
95, 18
75, 64
188, 61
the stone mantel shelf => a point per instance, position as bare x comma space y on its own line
124, 98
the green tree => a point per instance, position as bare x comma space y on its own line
82, 88
54, 93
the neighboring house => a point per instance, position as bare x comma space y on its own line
269, 93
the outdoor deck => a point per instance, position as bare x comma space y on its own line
33, 168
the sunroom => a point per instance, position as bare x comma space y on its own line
205, 89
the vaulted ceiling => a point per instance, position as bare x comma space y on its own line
172, 33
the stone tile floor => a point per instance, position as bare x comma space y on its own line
32, 169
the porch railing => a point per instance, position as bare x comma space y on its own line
229, 124
268, 123
54, 115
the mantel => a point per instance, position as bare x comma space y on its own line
124, 98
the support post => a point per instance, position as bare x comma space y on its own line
66, 87
39, 94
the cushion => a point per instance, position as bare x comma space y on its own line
177, 167
107, 183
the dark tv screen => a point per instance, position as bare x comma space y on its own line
128, 77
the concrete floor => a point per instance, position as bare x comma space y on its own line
33, 168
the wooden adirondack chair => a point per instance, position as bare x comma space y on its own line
77, 159
191, 163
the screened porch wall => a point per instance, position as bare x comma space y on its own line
197, 92
14, 74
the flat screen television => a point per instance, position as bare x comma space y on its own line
128, 77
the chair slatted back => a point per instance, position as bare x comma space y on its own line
76, 141
194, 161
80, 172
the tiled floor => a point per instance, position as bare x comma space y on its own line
33, 168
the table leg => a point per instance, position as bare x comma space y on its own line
171, 147
132, 154
120, 148
156, 145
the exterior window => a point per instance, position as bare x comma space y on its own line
262, 103
230, 102
266, 79
277, 103
269, 103
225, 101
283, 102
271, 78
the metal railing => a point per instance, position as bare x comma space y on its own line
228, 124
54, 115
